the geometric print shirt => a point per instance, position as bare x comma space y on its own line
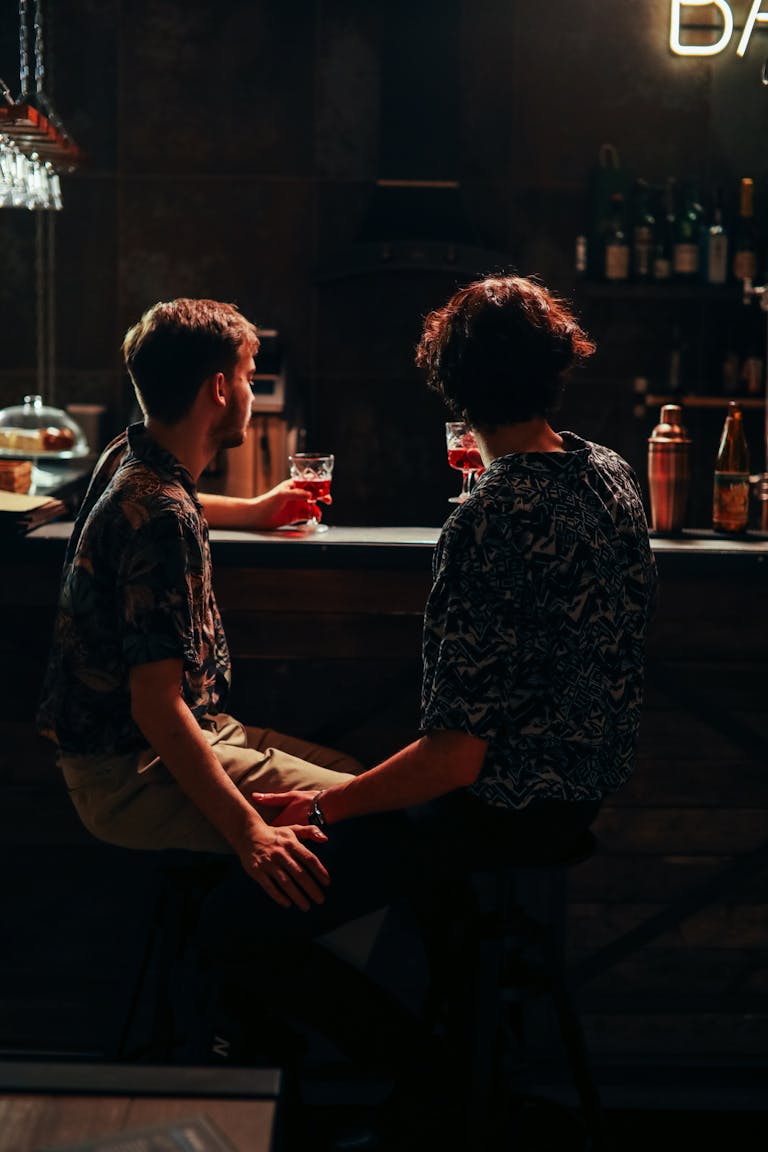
534, 634
136, 588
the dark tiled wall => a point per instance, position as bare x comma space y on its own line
231, 150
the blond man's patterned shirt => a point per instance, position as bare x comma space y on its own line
136, 588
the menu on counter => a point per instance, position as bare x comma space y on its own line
20, 513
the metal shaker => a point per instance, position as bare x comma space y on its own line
669, 470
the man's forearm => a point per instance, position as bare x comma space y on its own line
227, 511
438, 763
174, 734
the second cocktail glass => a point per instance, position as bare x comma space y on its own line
313, 471
464, 455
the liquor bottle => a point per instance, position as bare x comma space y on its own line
640, 389
685, 252
744, 241
665, 233
580, 260
678, 367
715, 248
752, 367
616, 244
730, 506
643, 233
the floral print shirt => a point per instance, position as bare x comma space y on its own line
534, 634
136, 588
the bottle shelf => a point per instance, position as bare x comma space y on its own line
654, 400
659, 290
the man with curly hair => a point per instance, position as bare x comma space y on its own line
543, 587
533, 648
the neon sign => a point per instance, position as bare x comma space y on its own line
720, 20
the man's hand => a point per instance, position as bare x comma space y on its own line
278, 861
295, 806
275, 858
286, 503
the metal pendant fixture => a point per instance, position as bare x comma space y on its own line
34, 145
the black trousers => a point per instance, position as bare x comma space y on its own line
267, 966
267, 969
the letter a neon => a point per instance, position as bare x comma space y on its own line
702, 49
755, 16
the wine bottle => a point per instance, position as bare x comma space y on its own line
616, 244
665, 233
715, 262
643, 232
685, 252
730, 507
744, 242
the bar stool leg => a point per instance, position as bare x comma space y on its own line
572, 1034
485, 1030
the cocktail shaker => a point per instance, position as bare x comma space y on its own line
669, 470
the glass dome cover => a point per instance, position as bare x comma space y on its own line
34, 429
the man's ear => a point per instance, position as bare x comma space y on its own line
217, 389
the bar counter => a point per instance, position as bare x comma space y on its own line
668, 924
408, 548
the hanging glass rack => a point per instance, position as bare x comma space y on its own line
34, 146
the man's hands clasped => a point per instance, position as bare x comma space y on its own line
295, 805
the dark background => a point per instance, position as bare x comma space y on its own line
232, 152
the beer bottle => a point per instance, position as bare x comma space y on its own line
731, 496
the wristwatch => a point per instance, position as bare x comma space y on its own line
316, 816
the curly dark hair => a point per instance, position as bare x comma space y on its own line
178, 344
500, 351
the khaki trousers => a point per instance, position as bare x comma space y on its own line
133, 801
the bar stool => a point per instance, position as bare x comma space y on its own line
161, 1004
516, 956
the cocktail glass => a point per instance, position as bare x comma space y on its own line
463, 455
313, 471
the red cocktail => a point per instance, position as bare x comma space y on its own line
313, 472
466, 459
463, 455
318, 488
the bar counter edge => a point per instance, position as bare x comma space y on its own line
408, 548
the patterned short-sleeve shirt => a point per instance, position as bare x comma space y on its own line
534, 633
136, 588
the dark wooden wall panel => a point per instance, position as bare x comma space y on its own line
232, 152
